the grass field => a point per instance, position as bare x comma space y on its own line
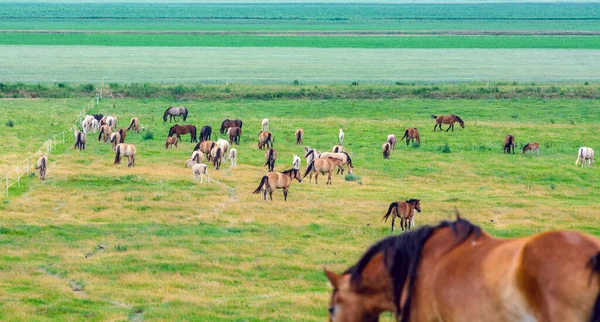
171, 249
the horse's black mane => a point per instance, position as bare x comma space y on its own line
348, 156
458, 118
402, 256
290, 171
411, 200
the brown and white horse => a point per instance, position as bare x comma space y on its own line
105, 131
127, 150
411, 134
205, 147
42, 163
456, 272
447, 119
405, 210
277, 180
386, 148
80, 139
134, 125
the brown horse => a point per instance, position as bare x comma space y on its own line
509, 142
447, 119
386, 148
123, 133
227, 123
234, 134
42, 163
411, 134
183, 129
127, 150
115, 137
205, 147
299, 136
456, 272
322, 166
80, 139
342, 156
532, 147
134, 125
216, 155
105, 131
405, 210
171, 141
265, 139
277, 180
270, 157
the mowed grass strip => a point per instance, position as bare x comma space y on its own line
99, 241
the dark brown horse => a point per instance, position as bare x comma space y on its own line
234, 134
405, 210
456, 272
230, 123
123, 133
205, 133
270, 157
411, 134
183, 129
299, 136
509, 142
277, 180
447, 119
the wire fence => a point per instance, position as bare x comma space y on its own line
28, 166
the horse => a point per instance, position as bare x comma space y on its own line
265, 139
447, 119
270, 157
86, 124
205, 147
134, 125
299, 136
184, 129
509, 141
342, 156
216, 155
405, 210
227, 123
224, 145
455, 271
296, 162
337, 149
532, 147
41, 165
123, 133
127, 150
105, 131
411, 134
110, 121
311, 154
197, 156
341, 137
80, 139
205, 133
98, 117
233, 157
322, 166
115, 139
95, 125
277, 180
198, 170
387, 149
234, 134
585, 154
171, 141
173, 112
392, 140
265, 125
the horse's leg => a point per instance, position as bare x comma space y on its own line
393, 219
316, 177
329, 178
271, 194
285, 192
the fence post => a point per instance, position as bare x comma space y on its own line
7, 186
63, 134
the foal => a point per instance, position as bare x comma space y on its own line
171, 141
531, 148
198, 169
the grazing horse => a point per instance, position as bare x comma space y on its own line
532, 147
184, 129
105, 132
387, 149
299, 136
98, 117
198, 170
197, 156
230, 123
233, 157
405, 210
270, 157
216, 155
234, 134
41, 164
115, 139
457, 272
265, 139
205, 147
205, 133
392, 140
322, 166
411, 134
127, 150
342, 156
447, 119
134, 125
110, 121
171, 141
224, 145
341, 137
296, 162
509, 142
585, 154
337, 149
173, 112
86, 124
123, 133
265, 125
80, 139
95, 125
277, 180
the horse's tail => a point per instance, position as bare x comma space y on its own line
309, 168
101, 131
185, 113
78, 142
594, 265
194, 136
43, 165
240, 124
270, 137
405, 135
270, 157
118, 154
217, 156
392, 206
434, 116
122, 135
263, 181
348, 157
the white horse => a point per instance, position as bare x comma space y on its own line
110, 121
84, 126
585, 154
95, 125
341, 137
224, 144
233, 157
296, 162
198, 169
265, 125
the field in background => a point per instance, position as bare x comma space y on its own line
99, 241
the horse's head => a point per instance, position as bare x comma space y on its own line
462, 124
418, 205
297, 175
189, 163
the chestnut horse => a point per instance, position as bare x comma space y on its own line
299, 136
234, 134
509, 142
183, 129
411, 134
532, 147
447, 119
456, 272
405, 211
277, 180
230, 123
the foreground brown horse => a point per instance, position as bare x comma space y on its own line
277, 180
447, 119
456, 272
184, 129
171, 141
299, 136
405, 210
532, 147
509, 142
411, 134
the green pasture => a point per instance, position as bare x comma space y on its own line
102, 242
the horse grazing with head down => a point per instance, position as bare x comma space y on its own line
447, 119
585, 154
299, 136
392, 140
171, 141
227, 123
41, 164
411, 134
184, 129
456, 272
205, 133
265, 139
80, 139
127, 150
115, 139
173, 112
531, 148
234, 134
386, 148
277, 180
270, 157
405, 210
509, 142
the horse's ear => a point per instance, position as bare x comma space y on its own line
333, 277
